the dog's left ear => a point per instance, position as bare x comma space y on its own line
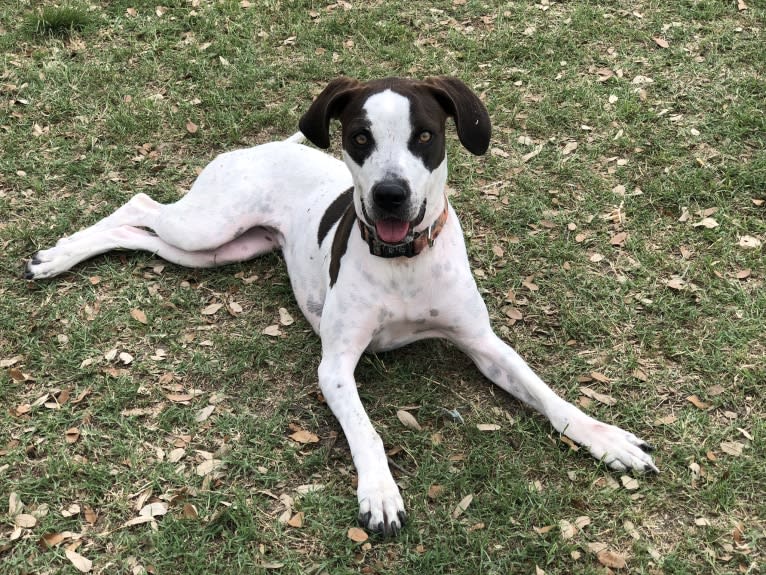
315, 123
471, 118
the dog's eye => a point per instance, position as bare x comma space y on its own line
361, 139
424, 137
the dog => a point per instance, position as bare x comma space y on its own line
373, 248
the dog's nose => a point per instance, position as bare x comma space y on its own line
389, 195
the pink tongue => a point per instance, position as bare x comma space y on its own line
392, 231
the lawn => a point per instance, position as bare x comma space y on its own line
157, 419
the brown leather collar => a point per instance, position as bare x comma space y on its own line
414, 243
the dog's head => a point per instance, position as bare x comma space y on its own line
394, 144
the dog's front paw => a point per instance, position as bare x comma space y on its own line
45, 264
617, 448
381, 509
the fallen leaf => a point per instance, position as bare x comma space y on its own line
211, 309
567, 529
741, 5
204, 413
234, 307
435, 491
408, 420
569, 148
611, 559
296, 520
629, 483
600, 397
71, 435
618, 240
272, 330
732, 447
25, 520
462, 506
661, 42
90, 515
303, 436
487, 426
71, 510
526, 157
179, 397
125, 358
138, 315
582, 521
701, 521
357, 534
189, 511
54, 539
708, 223
82, 564
191, 127
543, 530
666, 420
498, 152
208, 466
749, 242
284, 317
156, 509
14, 504
697, 402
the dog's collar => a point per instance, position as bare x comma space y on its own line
413, 244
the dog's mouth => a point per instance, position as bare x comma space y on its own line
394, 230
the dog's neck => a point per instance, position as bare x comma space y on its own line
414, 243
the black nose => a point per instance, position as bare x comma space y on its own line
390, 195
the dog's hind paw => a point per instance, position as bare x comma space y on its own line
381, 509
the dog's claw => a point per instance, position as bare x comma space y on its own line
646, 448
364, 518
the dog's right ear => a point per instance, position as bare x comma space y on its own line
315, 123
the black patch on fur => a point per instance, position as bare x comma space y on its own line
333, 213
340, 242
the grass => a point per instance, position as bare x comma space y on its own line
95, 104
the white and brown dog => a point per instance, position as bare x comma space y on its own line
375, 253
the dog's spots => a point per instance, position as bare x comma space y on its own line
433, 312
333, 213
420, 321
315, 306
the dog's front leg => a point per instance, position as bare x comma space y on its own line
617, 448
381, 508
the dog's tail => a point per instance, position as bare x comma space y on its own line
296, 138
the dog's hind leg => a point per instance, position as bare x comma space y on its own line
62, 257
140, 211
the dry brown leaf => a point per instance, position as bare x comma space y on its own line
191, 127
90, 515
741, 5
54, 539
611, 559
749, 242
408, 420
303, 436
25, 520
179, 397
697, 402
600, 397
82, 564
357, 534
189, 511
618, 240
71, 510
708, 223
235, 308
155, 509
71, 435
296, 520
285, 318
462, 506
582, 521
14, 504
569, 147
204, 413
487, 426
629, 483
543, 530
661, 42
666, 420
208, 466
435, 491
567, 529
272, 330
138, 315
211, 309
732, 447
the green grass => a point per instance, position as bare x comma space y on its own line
95, 101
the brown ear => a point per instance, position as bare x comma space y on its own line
471, 118
315, 123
